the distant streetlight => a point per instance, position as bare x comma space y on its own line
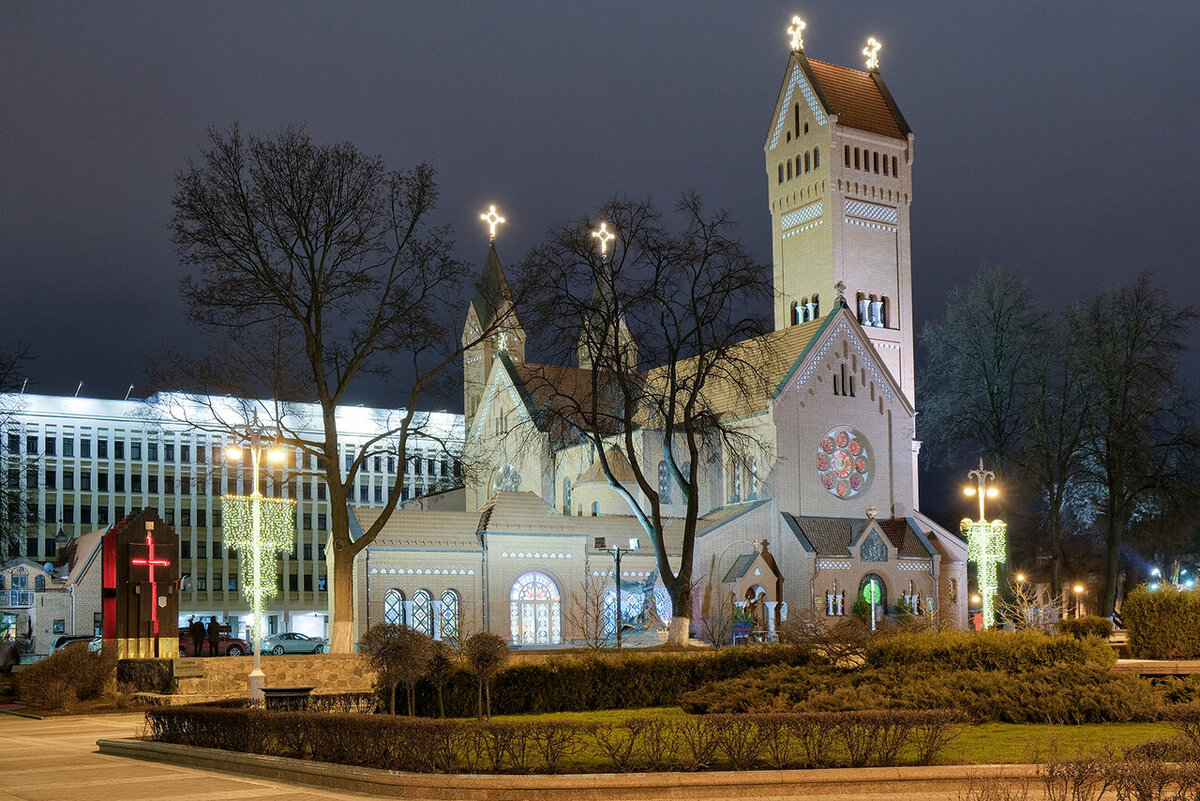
1020, 578
258, 439
617, 551
1078, 588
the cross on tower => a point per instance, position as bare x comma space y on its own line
150, 562
492, 219
871, 51
795, 32
605, 236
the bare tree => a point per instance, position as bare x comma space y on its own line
679, 301
14, 509
716, 611
1029, 607
586, 614
316, 266
1140, 445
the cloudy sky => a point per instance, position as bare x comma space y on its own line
1058, 138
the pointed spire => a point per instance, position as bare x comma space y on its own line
493, 291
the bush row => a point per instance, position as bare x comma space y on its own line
986, 650
1164, 624
740, 742
1063, 693
582, 683
1087, 626
65, 677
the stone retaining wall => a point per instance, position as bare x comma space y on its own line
227, 676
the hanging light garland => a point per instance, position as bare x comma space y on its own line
277, 532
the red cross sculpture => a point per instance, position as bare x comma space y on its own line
150, 562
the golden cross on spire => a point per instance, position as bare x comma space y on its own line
796, 31
871, 51
605, 236
492, 219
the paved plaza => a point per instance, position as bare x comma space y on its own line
56, 760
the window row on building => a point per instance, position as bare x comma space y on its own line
804, 163
870, 161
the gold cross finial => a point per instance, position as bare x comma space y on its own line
605, 236
492, 219
871, 51
796, 31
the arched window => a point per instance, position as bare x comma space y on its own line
595, 508
781, 172
39, 583
664, 483
567, 496
795, 313
508, 479
535, 610
449, 615
816, 158
814, 307
796, 117
789, 169
393, 608
864, 591
422, 612
1, 582
863, 308
883, 310
807, 162
803, 315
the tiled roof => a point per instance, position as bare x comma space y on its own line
419, 529
739, 567
621, 469
523, 511
830, 536
904, 537
858, 100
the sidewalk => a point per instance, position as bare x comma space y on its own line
56, 759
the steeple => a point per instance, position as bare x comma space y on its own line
603, 329
491, 311
839, 174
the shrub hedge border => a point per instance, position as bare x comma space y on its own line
635, 744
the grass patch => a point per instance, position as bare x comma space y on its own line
1016, 743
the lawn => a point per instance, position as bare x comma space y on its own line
984, 744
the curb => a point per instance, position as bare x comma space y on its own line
914, 782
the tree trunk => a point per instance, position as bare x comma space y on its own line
479, 701
487, 689
1056, 550
392, 699
441, 705
678, 631
412, 699
1112, 569
342, 590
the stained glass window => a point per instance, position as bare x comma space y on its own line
567, 496
535, 610
449, 615
422, 612
664, 483
508, 479
393, 608
844, 462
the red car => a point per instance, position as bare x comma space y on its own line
227, 645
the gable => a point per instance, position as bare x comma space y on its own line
842, 339
796, 88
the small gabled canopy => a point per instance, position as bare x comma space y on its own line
836, 536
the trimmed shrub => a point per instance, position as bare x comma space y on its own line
588, 682
146, 675
986, 650
72, 674
741, 742
1164, 624
1083, 627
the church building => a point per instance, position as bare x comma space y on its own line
824, 513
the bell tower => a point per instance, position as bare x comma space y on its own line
839, 175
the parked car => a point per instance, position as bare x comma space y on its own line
292, 642
228, 645
65, 640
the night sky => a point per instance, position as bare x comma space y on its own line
1057, 138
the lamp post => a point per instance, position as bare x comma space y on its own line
617, 551
1078, 598
985, 543
256, 437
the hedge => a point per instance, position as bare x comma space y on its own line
1164, 624
986, 650
65, 677
1087, 626
739, 742
589, 682
1066, 693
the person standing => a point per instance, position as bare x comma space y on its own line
196, 632
214, 636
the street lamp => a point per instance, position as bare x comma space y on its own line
617, 551
1020, 578
1078, 588
985, 543
258, 439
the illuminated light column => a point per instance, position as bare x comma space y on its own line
255, 526
150, 562
985, 544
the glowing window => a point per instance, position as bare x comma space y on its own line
535, 610
422, 612
393, 608
449, 615
844, 462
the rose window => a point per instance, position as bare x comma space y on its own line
844, 462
